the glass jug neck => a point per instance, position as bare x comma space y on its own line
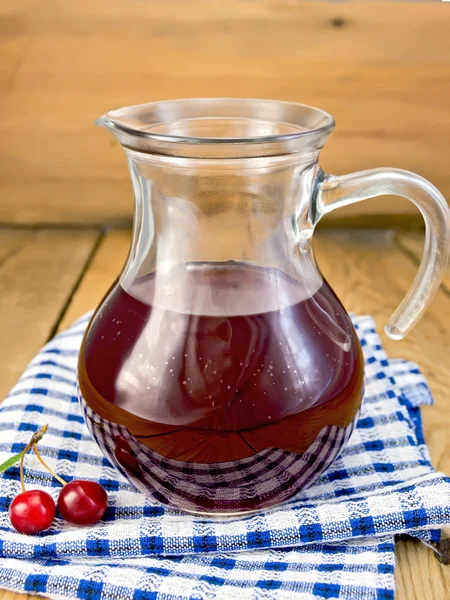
217, 211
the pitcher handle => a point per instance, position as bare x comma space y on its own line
334, 191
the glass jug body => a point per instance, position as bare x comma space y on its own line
221, 373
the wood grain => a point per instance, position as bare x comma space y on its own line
38, 270
413, 244
7, 595
106, 265
418, 574
65, 63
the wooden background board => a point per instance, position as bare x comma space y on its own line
370, 271
382, 69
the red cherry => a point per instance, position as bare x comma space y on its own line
32, 511
82, 502
127, 460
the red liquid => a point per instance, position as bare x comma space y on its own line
248, 363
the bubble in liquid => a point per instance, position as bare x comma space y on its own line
119, 332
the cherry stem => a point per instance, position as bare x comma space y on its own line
22, 482
44, 464
37, 435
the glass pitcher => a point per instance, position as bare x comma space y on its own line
220, 373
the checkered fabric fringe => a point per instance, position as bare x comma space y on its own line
333, 540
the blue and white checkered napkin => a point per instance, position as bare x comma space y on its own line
334, 540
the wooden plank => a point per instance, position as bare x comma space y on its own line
413, 244
105, 268
6, 595
38, 270
418, 574
391, 107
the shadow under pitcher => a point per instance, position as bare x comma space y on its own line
220, 373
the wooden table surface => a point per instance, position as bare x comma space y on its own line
50, 276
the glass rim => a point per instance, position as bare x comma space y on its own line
116, 120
